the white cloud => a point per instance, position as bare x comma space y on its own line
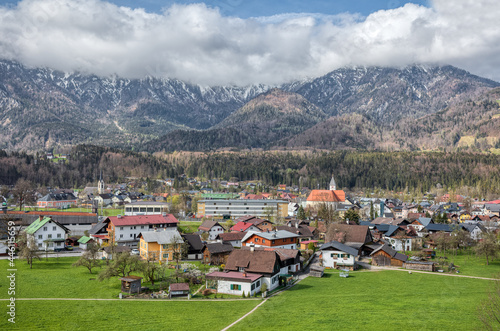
196, 43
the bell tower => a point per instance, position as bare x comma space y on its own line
333, 185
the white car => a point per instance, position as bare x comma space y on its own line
134, 251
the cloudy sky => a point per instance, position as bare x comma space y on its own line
244, 42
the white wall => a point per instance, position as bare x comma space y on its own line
215, 231
224, 286
49, 231
328, 260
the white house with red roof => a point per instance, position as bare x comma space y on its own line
244, 227
125, 230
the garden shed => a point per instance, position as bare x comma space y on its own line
178, 290
131, 284
418, 265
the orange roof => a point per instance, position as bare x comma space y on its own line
327, 196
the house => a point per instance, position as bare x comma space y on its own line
104, 199
212, 227
421, 223
337, 255
275, 239
245, 267
178, 290
160, 245
244, 227
260, 224
475, 229
233, 238
356, 236
48, 233
195, 246
216, 253
234, 282
290, 260
57, 200
387, 256
125, 230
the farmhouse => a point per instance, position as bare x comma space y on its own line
338, 255
48, 234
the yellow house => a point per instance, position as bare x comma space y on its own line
160, 245
465, 216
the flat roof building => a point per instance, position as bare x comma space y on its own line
238, 207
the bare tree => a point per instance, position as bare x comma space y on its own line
29, 249
89, 258
122, 265
23, 193
488, 246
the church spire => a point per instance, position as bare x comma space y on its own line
333, 185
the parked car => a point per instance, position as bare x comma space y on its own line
69, 248
134, 251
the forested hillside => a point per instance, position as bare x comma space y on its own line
419, 171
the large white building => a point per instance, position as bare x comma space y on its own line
239, 207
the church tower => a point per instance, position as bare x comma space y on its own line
333, 185
100, 185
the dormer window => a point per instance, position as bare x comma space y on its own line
241, 269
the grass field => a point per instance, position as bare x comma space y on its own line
366, 300
126, 315
58, 279
386, 300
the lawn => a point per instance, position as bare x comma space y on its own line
56, 278
373, 300
127, 315
188, 226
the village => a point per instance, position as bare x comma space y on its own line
242, 244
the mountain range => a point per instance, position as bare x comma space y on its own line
415, 107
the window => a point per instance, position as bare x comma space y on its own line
40, 236
142, 227
49, 236
253, 287
121, 227
58, 244
44, 228
121, 236
131, 235
165, 256
39, 244
164, 246
258, 283
241, 269
263, 241
54, 228
58, 235
272, 241
235, 287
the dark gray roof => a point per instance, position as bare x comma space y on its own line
392, 230
100, 227
425, 220
340, 247
218, 248
194, 242
58, 197
439, 227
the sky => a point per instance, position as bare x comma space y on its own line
237, 42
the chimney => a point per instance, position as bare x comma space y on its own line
297, 224
252, 247
244, 274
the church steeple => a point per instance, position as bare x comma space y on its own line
100, 185
333, 185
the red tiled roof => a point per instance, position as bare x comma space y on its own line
241, 226
327, 196
142, 219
